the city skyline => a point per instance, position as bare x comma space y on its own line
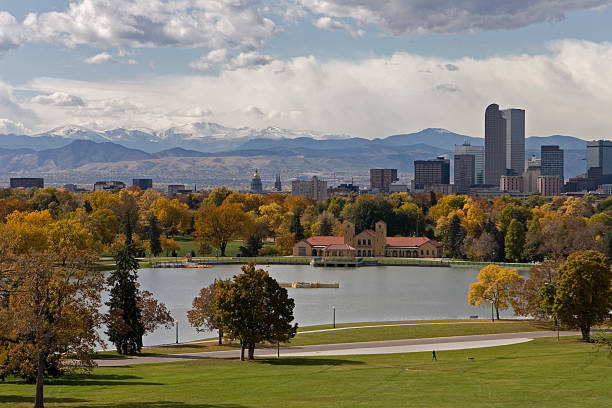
326, 66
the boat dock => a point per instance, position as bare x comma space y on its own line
310, 285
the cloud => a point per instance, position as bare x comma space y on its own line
7, 126
328, 23
449, 16
12, 112
565, 90
230, 62
58, 99
102, 58
143, 23
451, 67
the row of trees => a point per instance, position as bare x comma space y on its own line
577, 293
252, 308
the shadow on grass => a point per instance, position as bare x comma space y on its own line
303, 361
19, 399
101, 379
164, 404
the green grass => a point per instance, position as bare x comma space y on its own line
541, 373
368, 334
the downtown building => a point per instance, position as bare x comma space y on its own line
430, 175
552, 161
381, 179
464, 172
479, 160
504, 143
26, 182
313, 189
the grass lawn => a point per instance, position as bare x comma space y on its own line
369, 334
541, 373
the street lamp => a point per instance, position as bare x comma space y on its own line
334, 314
176, 325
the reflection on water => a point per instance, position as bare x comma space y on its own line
365, 294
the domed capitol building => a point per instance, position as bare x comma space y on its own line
256, 186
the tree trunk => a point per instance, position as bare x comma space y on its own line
251, 351
242, 344
586, 333
39, 403
223, 245
220, 337
497, 312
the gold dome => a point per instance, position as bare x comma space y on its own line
256, 174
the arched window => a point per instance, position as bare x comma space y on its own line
314, 252
369, 253
369, 242
358, 253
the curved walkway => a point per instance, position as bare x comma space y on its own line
343, 349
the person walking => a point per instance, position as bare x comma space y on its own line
433, 355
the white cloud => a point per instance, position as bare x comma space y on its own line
58, 99
12, 112
449, 16
328, 23
565, 91
102, 58
143, 23
225, 60
7, 126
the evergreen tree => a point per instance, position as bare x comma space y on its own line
87, 207
515, 241
124, 319
155, 236
326, 228
296, 224
455, 237
253, 245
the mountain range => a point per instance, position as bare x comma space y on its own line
211, 154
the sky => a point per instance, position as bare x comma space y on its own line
365, 68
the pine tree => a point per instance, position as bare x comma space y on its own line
154, 236
455, 237
515, 241
296, 225
124, 319
326, 227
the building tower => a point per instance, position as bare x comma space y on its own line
495, 145
381, 179
380, 243
256, 186
277, 184
349, 233
465, 172
479, 159
515, 141
552, 161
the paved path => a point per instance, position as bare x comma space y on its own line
342, 349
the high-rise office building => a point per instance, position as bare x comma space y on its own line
314, 189
479, 160
549, 186
381, 179
143, 184
495, 145
599, 154
427, 172
27, 182
515, 140
531, 174
552, 161
465, 172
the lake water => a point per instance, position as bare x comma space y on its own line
365, 294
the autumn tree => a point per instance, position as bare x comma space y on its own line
153, 313
527, 298
296, 224
203, 314
49, 313
124, 319
453, 236
218, 225
496, 285
583, 295
254, 308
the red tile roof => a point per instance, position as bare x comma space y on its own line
324, 240
409, 241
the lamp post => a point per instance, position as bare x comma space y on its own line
176, 325
334, 314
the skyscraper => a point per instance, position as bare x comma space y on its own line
495, 145
515, 140
465, 172
427, 172
381, 179
599, 154
552, 161
479, 160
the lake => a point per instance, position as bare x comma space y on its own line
365, 294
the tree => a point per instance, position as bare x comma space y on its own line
453, 239
528, 298
153, 313
496, 285
124, 319
202, 316
326, 227
49, 313
296, 226
218, 225
254, 308
217, 196
253, 245
515, 241
154, 236
169, 246
583, 295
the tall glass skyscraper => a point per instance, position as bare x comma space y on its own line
504, 143
599, 154
479, 159
515, 140
552, 161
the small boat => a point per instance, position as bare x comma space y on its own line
267, 266
204, 266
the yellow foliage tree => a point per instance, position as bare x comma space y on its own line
218, 225
69, 233
173, 215
496, 285
28, 230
